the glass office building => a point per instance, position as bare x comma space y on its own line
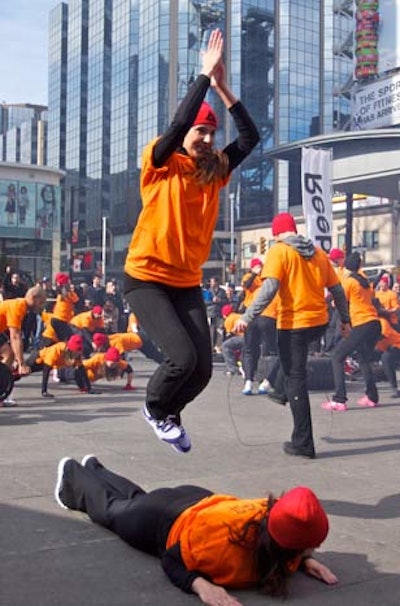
118, 69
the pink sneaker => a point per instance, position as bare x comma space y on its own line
332, 405
365, 401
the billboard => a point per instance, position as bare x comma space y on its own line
376, 105
27, 206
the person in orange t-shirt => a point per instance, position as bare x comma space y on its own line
86, 324
388, 300
261, 332
66, 298
297, 272
206, 542
12, 314
110, 366
59, 356
232, 344
389, 347
181, 180
364, 335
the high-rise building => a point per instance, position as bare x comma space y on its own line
118, 69
23, 129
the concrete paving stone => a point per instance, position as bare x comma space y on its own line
50, 556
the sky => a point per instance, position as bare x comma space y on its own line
23, 50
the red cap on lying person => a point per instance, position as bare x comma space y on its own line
297, 520
97, 310
206, 116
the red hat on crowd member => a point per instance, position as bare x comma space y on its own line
97, 309
385, 279
297, 520
226, 310
336, 254
75, 343
112, 354
61, 279
254, 262
284, 222
206, 115
99, 339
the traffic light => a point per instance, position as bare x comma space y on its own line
263, 245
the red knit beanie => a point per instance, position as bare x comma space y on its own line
282, 223
97, 310
75, 343
254, 262
112, 354
297, 520
61, 279
99, 339
336, 254
206, 116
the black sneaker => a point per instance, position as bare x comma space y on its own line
46, 394
61, 490
289, 449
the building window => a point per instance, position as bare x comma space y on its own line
371, 239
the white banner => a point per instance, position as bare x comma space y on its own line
317, 195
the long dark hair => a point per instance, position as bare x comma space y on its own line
214, 165
270, 560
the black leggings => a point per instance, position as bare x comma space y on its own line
141, 519
260, 332
175, 320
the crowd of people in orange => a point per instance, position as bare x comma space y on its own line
66, 334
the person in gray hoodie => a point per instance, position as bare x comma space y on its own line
297, 272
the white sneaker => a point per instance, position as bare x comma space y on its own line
264, 387
59, 483
54, 376
184, 444
248, 388
8, 403
165, 429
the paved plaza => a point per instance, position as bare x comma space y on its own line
50, 556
